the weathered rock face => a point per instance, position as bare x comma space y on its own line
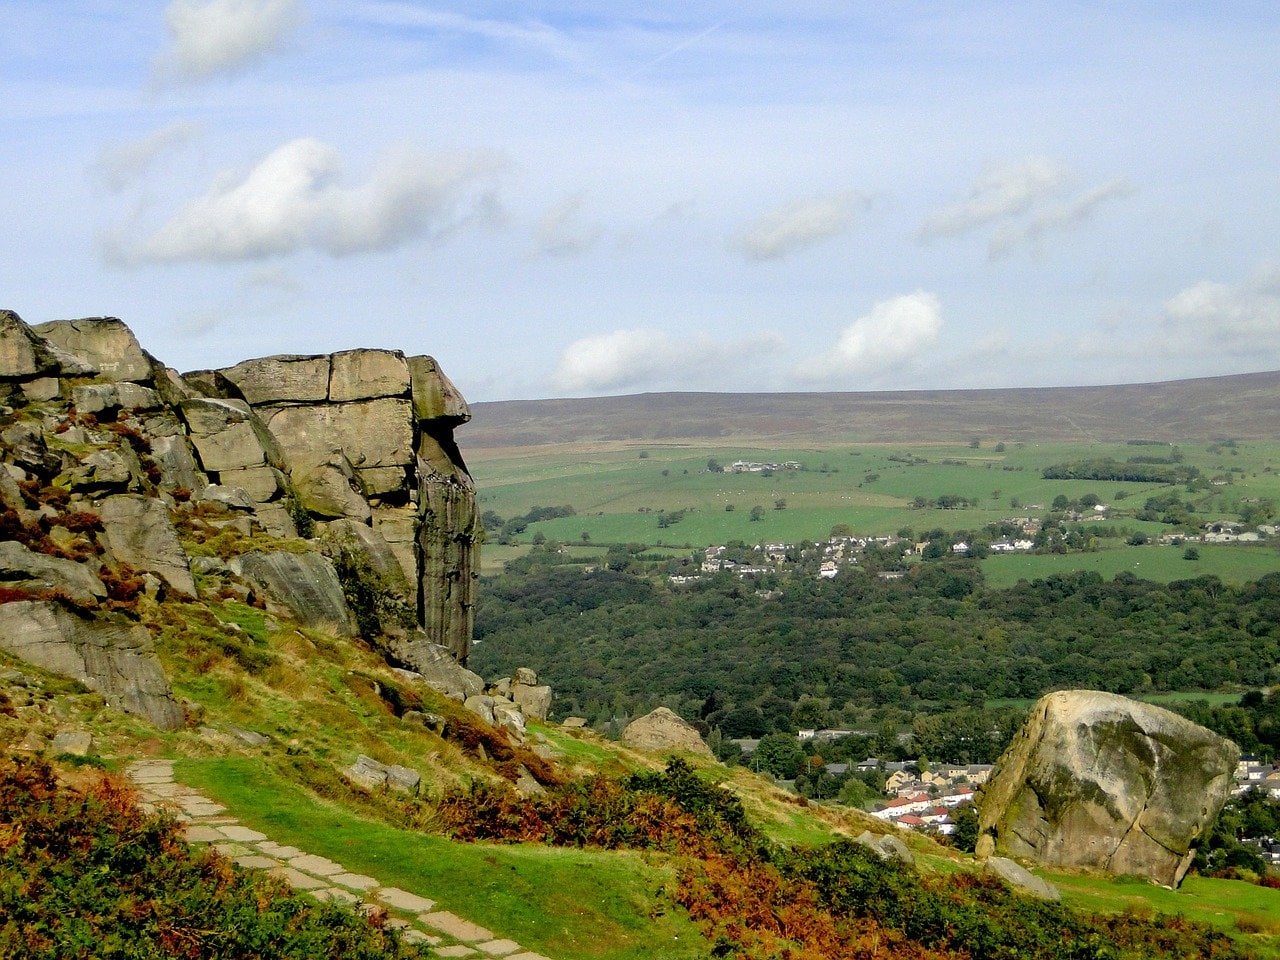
113, 657
303, 583
663, 731
1098, 781
368, 437
357, 446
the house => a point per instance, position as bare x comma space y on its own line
828, 570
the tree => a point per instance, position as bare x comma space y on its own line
715, 466
965, 837
1191, 553
586, 537
1060, 502
779, 504
757, 512
781, 755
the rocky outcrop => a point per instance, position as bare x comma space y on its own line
663, 731
112, 656
1097, 781
368, 437
109, 461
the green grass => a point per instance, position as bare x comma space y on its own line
1233, 563
1229, 905
618, 496
569, 904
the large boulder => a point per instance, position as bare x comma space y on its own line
1097, 781
103, 345
228, 436
288, 379
303, 583
365, 374
23, 355
663, 731
114, 657
25, 569
137, 531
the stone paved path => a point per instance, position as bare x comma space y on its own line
205, 821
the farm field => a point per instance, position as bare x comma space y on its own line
621, 492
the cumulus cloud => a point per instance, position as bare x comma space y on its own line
798, 225
222, 36
1058, 218
293, 200
645, 357
895, 331
563, 230
1240, 320
1005, 192
122, 164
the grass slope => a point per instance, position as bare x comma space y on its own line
570, 904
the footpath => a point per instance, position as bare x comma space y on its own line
204, 821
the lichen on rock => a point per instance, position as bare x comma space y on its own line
1097, 781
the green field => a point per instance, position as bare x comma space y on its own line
1233, 564
619, 496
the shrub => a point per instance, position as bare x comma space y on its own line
84, 873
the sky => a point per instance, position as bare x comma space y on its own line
582, 198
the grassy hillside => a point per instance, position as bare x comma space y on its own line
311, 695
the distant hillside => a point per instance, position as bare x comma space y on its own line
1246, 406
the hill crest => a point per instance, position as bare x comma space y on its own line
1242, 406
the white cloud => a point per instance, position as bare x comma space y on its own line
123, 163
646, 357
798, 225
1241, 320
1006, 192
222, 36
1058, 219
562, 230
292, 201
894, 332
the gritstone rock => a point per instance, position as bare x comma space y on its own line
1097, 781
113, 657
662, 731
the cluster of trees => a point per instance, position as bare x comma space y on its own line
614, 644
504, 529
1253, 723
1232, 843
1133, 470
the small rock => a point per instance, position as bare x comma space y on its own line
1020, 878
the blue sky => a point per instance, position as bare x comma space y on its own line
581, 198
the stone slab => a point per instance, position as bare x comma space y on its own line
337, 895
456, 927
320, 866
232, 850
417, 936
199, 833
297, 880
356, 881
234, 831
404, 900
457, 950
254, 861
498, 948
279, 851
528, 955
